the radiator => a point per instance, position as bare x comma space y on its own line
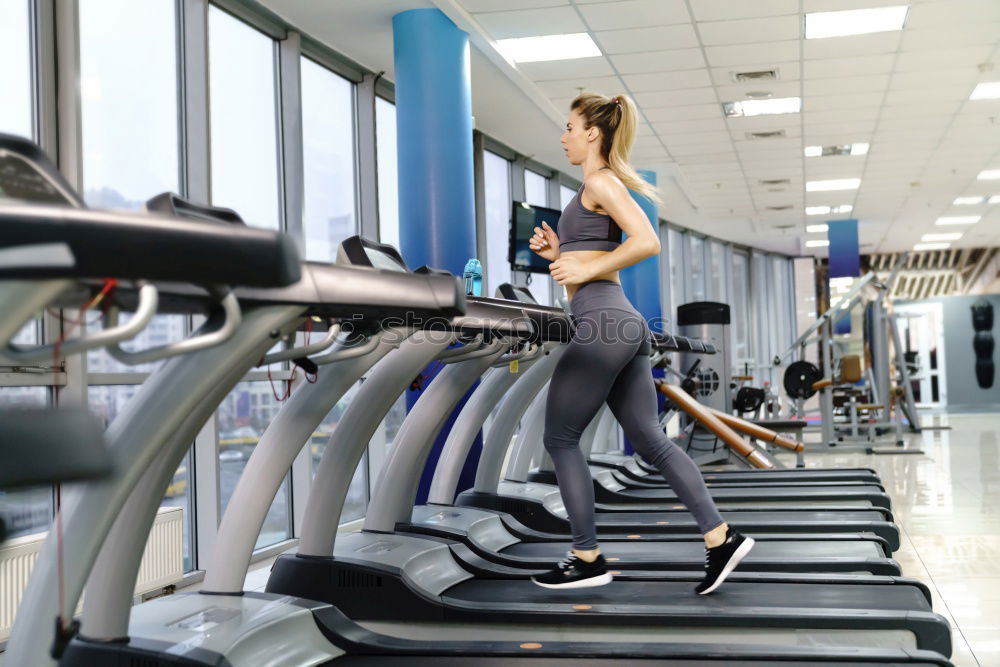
162, 563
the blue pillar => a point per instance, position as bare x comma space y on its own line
437, 209
641, 282
845, 259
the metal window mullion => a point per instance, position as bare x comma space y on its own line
479, 180
206, 499
194, 100
291, 165
255, 15
367, 221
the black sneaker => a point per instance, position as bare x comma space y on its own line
574, 572
723, 559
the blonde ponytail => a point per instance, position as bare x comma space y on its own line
617, 119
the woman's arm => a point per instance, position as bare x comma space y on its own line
642, 243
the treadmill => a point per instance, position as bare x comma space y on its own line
404, 583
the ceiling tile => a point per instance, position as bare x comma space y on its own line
839, 115
934, 15
507, 5
689, 112
697, 149
846, 85
890, 112
680, 126
841, 67
775, 88
854, 130
682, 97
554, 70
634, 14
720, 10
775, 52
656, 38
810, 6
921, 61
944, 78
855, 45
695, 138
531, 22
657, 81
658, 61
572, 87
747, 31
832, 102
920, 96
940, 37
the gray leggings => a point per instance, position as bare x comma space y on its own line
608, 361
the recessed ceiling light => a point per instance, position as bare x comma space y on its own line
989, 175
762, 107
843, 208
817, 229
833, 184
820, 25
548, 47
859, 149
931, 246
968, 201
814, 151
958, 220
817, 210
950, 236
817, 243
995, 199
988, 90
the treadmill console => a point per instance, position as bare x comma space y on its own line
28, 176
359, 251
515, 293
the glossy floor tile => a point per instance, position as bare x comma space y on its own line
947, 504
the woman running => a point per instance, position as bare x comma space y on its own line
608, 359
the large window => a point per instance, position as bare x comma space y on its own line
678, 293
717, 272
388, 184
28, 510
740, 315
328, 157
128, 104
496, 174
696, 268
243, 416
565, 196
244, 120
535, 188
16, 110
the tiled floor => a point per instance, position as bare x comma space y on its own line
947, 504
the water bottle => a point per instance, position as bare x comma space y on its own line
473, 275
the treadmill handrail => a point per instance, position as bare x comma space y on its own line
301, 351
233, 317
113, 334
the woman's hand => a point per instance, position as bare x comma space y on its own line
570, 270
545, 243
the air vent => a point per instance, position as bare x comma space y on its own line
783, 207
769, 134
354, 579
775, 181
783, 226
759, 75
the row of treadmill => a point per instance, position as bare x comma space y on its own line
442, 583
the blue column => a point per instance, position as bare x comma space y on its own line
845, 259
641, 282
437, 210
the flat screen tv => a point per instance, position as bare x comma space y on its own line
523, 220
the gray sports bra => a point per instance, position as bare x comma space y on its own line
580, 228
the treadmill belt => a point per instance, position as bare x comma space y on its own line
764, 493
572, 661
661, 551
639, 519
661, 597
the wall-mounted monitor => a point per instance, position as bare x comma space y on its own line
524, 218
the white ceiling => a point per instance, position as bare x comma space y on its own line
906, 93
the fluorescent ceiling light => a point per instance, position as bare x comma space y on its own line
548, 47
995, 199
989, 175
833, 184
988, 90
817, 229
762, 107
814, 151
931, 246
950, 236
817, 210
859, 149
820, 25
968, 201
958, 220
817, 243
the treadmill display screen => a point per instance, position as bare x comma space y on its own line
381, 260
20, 180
